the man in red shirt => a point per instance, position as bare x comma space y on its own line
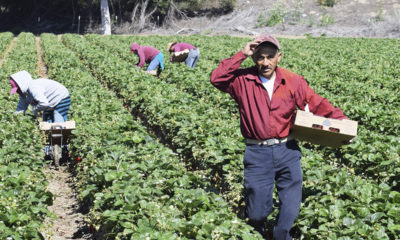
267, 97
193, 56
151, 55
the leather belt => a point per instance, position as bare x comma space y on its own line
268, 142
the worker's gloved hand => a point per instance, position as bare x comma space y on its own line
19, 112
36, 112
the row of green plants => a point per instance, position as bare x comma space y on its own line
5, 40
136, 187
336, 203
359, 76
180, 117
186, 79
23, 187
366, 92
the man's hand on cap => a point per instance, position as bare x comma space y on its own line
249, 48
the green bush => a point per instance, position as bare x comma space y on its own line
326, 20
280, 14
327, 3
195, 5
276, 17
227, 4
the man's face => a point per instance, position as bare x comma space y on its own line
266, 58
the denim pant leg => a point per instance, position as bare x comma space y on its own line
259, 184
48, 116
153, 64
192, 58
58, 118
288, 177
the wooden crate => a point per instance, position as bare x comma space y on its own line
180, 56
323, 131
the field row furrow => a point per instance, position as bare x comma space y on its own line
373, 154
5, 40
23, 187
136, 187
335, 200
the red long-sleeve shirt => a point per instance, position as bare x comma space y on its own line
182, 46
260, 117
146, 54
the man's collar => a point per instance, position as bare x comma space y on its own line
254, 75
264, 79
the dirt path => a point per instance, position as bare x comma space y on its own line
70, 222
42, 69
5, 54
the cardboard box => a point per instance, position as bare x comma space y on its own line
180, 56
323, 131
46, 126
55, 135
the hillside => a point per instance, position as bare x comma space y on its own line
356, 18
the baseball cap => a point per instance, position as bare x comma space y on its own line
268, 38
14, 86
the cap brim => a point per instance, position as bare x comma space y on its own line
268, 42
13, 90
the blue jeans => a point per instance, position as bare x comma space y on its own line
192, 58
157, 61
59, 113
53, 116
264, 167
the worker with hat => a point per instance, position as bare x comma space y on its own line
267, 97
42, 94
192, 57
151, 55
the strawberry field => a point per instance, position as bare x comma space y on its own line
162, 157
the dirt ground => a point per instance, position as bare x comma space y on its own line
69, 222
355, 18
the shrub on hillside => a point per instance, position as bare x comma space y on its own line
328, 3
195, 5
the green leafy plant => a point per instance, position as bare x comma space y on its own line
23, 193
261, 20
326, 20
280, 14
275, 17
138, 187
208, 31
311, 22
185, 128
